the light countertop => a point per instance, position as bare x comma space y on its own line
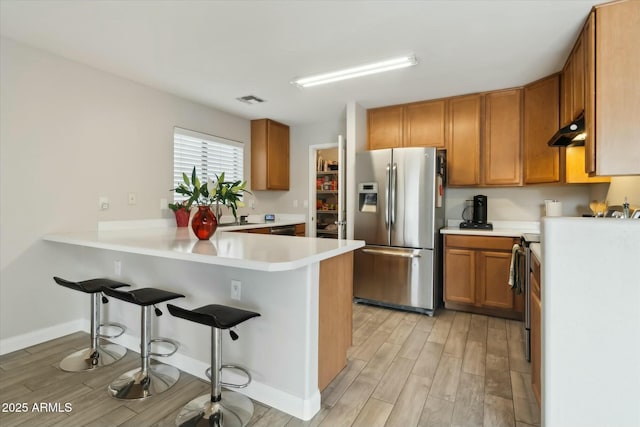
536, 249
500, 228
240, 250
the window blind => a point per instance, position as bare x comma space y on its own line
211, 155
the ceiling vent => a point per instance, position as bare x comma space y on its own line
250, 99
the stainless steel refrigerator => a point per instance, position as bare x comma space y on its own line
400, 210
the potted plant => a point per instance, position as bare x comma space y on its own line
182, 211
219, 192
229, 194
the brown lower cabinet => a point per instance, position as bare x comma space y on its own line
536, 326
476, 276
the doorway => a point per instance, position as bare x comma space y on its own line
327, 191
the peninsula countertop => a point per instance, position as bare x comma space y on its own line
240, 250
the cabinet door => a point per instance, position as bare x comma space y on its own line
463, 157
459, 276
536, 348
425, 124
502, 147
384, 127
269, 155
566, 93
577, 93
494, 290
588, 37
541, 121
617, 88
278, 156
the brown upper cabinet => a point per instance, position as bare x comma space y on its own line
269, 155
613, 89
384, 127
541, 121
463, 149
600, 78
485, 144
419, 124
502, 142
573, 87
574, 100
425, 124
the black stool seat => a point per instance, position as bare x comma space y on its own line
142, 296
218, 316
90, 286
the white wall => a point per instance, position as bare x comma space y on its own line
69, 134
624, 186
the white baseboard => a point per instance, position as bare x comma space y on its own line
19, 342
304, 409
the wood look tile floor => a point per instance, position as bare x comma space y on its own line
404, 370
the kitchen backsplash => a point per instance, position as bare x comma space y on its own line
524, 203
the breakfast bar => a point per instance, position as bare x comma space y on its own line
302, 287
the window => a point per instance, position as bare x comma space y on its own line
211, 155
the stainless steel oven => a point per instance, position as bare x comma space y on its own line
524, 269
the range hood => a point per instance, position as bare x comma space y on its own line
571, 135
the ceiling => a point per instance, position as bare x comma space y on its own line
213, 52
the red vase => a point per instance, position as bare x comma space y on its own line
204, 223
182, 217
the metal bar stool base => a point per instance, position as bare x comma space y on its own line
234, 410
86, 360
136, 385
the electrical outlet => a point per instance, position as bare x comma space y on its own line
236, 289
103, 203
306, 203
295, 203
163, 204
132, 198
117, 268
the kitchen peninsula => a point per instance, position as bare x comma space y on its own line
302, 287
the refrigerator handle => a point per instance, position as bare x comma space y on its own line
394, 179
391, 253
386, 197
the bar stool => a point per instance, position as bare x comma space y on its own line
97, 354
149, 379
219, 408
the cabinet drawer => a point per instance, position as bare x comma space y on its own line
481, 242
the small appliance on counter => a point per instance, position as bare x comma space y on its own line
478, 216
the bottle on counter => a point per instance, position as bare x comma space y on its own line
625, 208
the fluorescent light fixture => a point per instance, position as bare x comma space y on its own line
358, 71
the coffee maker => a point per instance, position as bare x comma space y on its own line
478, 215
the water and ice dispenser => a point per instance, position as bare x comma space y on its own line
368, 197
